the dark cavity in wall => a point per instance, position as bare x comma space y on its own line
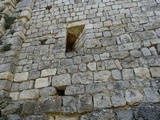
72, 37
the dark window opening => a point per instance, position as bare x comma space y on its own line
43, 42
73, 34
61, 92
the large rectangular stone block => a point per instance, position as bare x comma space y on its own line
20, 77
6, 76
29, 94
48, 72
41, 82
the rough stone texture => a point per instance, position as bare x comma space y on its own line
29, 94
148, 111
61, 80
113, 61
102, 114
20, 77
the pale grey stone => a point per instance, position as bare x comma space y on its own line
102, 100
117, 98
125, 38
102, 76
20, 77
48, 72
25, 85
133, 97
72, 69
127, 46
15, 87
92, 66
69, 104
74, 89
6, 76
116, 74
130, 63
146, 51
135, 53
104, 56
124, 114
29, 94
158, 32
85, 103
155, 71
128, 74
41, 82
33, 75
48, 91
14, 95
82, 78
142, 72
151, 95
82, 67
120, 55
5, 85
110, 64
153, 50
94, 88
61, 80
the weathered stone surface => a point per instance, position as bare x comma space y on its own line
49, 105
117, 98
82, 77
61, 80
128, 74
130, 63
74, 89
5, 85
26, 85
116, 74
102, 114
148, 111
20, 77
120, 55
135, 53
66, 118
124, 115
29, 94
29, 108
14, 95
133, 97
85, 103
13, 117
102, 100
33, 75
102, 76
48, 72
94, 87
48, 91
36, 117
6, 76
151, 95
69, 104
11, 109
142, 72
92, 66
154, 60
155, 71
41, 82
146, 51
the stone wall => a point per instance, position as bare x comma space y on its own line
114, 69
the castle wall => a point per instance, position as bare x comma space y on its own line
114, 69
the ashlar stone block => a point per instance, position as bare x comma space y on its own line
21, 77
41, 82
48, 72
102, 100
74, 89
69, 104
61, 80
155, 71
133, 97
6, 76
29, 94
151, 95
142, 72
102, 76
85, 103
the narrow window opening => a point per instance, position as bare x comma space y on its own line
73, 34
61, 91
43, 42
